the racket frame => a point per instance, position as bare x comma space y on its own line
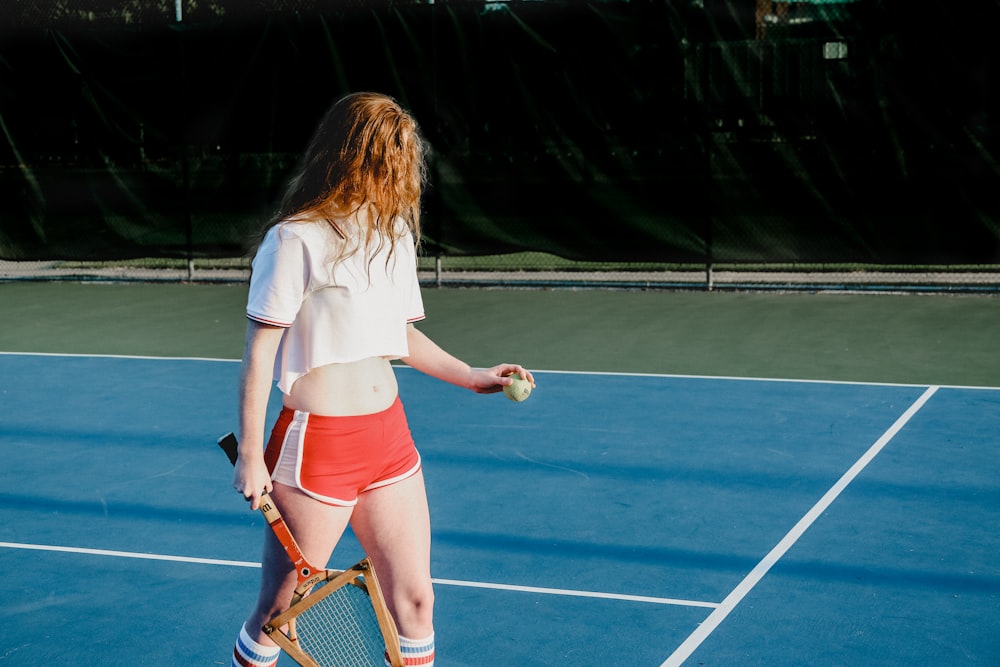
361, 574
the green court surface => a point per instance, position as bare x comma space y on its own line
673, 507
922, 339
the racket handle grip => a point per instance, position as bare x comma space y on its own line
229, 446
271, 514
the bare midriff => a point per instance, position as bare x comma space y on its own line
337, 390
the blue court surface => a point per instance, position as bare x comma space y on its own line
630, 520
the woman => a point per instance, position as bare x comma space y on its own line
333, 298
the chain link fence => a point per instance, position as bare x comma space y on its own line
714, 144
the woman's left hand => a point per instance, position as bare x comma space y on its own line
493, 380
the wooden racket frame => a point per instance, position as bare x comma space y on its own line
361, 575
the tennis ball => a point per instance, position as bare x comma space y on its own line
518, 390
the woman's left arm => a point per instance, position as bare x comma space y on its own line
427, 357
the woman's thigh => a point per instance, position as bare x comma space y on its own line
393, 525
315, 526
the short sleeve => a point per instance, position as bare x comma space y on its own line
414, 301
278, 279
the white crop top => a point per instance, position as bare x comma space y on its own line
332, 314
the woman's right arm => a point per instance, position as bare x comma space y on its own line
256, 379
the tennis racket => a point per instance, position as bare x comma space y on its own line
337, 618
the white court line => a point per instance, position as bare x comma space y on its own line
400, 366
127, 554
443, 582
706, 628
81, 355
582, 594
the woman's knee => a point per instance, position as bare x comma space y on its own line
414, 605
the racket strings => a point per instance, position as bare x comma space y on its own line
341, 630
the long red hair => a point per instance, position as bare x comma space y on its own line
366, 159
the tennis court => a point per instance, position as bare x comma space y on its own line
750, 250
617, 517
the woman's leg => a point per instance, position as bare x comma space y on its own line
317, 528
393, 525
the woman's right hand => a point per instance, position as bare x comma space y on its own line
251, 480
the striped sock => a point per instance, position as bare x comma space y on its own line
417, 651
249, 653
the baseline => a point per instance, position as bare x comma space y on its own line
549, 371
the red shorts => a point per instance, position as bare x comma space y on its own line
335, 459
